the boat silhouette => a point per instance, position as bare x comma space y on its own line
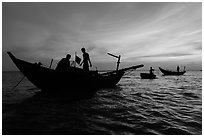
72, 80
168, 72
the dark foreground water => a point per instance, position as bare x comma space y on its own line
167, 105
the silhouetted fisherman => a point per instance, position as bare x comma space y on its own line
178, 68
151, 71
86, 60
64, 63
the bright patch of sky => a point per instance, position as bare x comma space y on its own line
149, 32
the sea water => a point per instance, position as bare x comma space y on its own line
167, 105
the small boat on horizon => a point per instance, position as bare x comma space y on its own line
74, 80
149, 75
172, 73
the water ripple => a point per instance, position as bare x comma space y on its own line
167, 105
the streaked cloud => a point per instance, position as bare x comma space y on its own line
137, 31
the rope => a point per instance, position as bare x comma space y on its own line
18, 82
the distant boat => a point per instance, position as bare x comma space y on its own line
147, 76
168, 72
73, 81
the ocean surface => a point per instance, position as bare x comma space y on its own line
168, 105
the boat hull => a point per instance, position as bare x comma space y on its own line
147, 76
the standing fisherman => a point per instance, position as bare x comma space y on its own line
151, 71
86, 60
178, 68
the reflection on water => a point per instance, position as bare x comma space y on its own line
167, 105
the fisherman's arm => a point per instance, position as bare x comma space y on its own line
90, 62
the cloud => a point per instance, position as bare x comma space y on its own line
168, 55
148, 31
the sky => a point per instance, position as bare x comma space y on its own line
151, 33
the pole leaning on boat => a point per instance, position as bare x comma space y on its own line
118, 62
124, 69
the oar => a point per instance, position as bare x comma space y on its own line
125, 69
18, 82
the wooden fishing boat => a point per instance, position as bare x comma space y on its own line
70, 80
168, 72
147, 76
